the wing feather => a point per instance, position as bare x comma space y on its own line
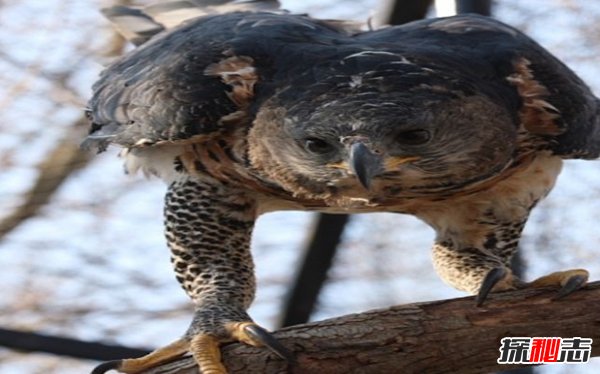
202, 77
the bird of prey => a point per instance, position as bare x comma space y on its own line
463, 122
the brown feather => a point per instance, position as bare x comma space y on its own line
239, 73
537, 115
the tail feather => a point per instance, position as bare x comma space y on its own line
138, 25
133, 24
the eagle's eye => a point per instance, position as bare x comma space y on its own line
413, 137
318, 146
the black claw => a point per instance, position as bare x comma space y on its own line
490, 280
270, 342
107, 366
574, 283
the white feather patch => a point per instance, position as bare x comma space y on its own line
158, 161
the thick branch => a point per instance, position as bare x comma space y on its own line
435, 337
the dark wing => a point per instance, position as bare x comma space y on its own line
159, 92
553, 103
196, 79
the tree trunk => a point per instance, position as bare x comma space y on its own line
483, 7
403, 11
318, 258
444, 336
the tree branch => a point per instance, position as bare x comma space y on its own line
55, 168
66, 157
434, 337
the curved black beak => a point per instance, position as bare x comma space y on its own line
364, 163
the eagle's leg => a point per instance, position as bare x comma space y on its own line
167, 353
208, 228
473, 269
567, 280
484, 266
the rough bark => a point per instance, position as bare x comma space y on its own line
444, 336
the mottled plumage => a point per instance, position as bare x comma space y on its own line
462, 122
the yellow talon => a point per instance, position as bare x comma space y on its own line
569, 281
239, 332
137, 365
207, 353
560, 278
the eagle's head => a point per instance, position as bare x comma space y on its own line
374, 140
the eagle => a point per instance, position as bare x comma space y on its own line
463, 122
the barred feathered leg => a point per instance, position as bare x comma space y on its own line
208, 229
